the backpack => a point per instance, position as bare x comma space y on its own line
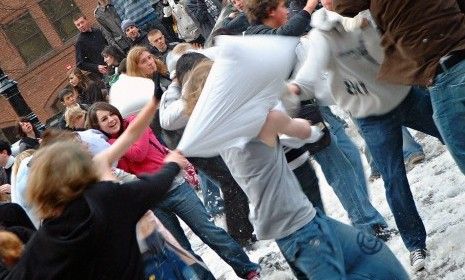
187, 29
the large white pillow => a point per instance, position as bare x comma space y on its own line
246, 81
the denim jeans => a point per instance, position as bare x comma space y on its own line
343, 169
383, 136
327, 249
212, 200
410, 147
183, 202
161, 262
448, 101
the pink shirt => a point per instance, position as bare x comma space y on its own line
146, 155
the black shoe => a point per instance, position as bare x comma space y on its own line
417, 259
383, 232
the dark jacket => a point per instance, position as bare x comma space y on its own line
204, 18
91, 94
110, 22
295, 26
27, 143
236, 25
89, 46
415, 35
95, 236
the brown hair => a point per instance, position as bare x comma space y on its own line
59, 174
194, 85
54, 135
92, 119
258, 10
78, 16
132, 61
11, 248
84, 79
20, 131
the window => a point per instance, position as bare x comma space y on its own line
27, 37
60, 14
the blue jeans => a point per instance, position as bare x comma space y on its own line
161, 262
383, 136
327, 249
343, 169
212, 200
183, 202
410, 147
448, 101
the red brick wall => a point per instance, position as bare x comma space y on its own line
40, 81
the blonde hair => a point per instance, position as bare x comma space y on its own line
182, 48
19, 158
59, 174
11, 248
132, 61
195, 81
71, 113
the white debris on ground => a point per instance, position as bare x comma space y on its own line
438, 187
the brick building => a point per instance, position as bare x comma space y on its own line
36, 46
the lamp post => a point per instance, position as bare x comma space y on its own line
9, 90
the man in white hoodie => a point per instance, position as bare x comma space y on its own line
342, 66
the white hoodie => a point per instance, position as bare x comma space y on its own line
342, 66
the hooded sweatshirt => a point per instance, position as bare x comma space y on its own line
95, 236
341, 66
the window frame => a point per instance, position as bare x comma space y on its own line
8, 29
57, 22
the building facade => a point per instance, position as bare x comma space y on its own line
37, 50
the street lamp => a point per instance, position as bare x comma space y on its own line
9, 90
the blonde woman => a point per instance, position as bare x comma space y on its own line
75, 117
140, 82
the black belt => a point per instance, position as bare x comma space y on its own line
450, 60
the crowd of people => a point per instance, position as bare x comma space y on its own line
169, 99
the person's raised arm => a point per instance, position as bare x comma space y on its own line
279, 122
129, 136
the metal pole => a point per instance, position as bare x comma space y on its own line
9, 90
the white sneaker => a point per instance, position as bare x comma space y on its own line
417, 259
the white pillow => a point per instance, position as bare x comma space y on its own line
246, 81
129, 94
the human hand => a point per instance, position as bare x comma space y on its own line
5, 189
293, 88
232, 15
316, 133
103, 69
146, 224
197, 46
311, 5
176, 157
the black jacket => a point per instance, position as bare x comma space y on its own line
89, 46
95, 236
236, 25
296, 26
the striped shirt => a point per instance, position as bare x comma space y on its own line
141, 12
